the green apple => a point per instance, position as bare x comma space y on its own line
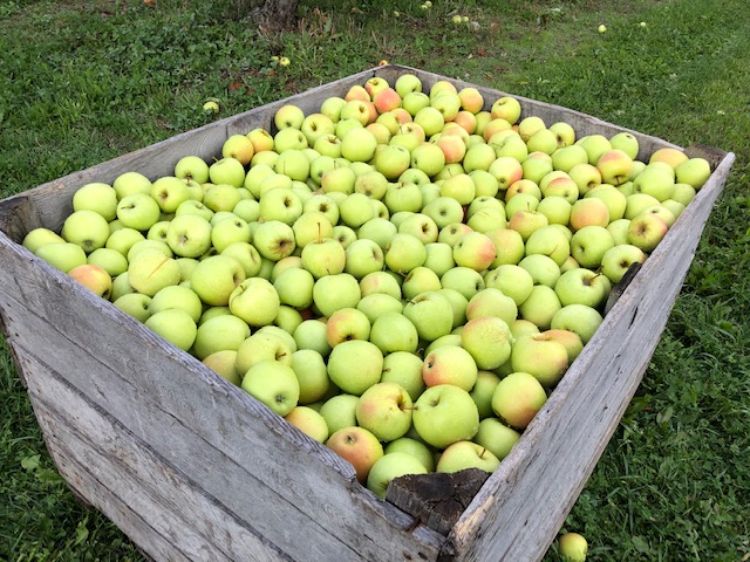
431, 314
450, 365
475, 251
339, 412
111, 261
404, 253
274, 384
334, 292
589, 245
354, 366
465, 454
134, 304
347, 324
274, 240
169, 192
192, 168
627, 143
541, 306
543, 269
405, 369
288, 116
262, 347
496, 437
312, 375
97, 197
380, 282
445, 414
39, 237
413, 448
215, 278
376, 305
512, 280
87, 229
464, 280
177, 297
131, 183
420, 280
221, 333
615, 167
488, 340
582, 286
618, 259
175, 326
150, 271
255, 301
646, 231
311, 334
223, 197
385, 409
517, 399
546, 360
573, 547
569, 340
509, 246
309, 422
595, 146
439, 258
578, 318
392, 332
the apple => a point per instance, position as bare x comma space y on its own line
445, 414
311, 334
683, 193
582, 286
564, 133
541, 306
405, 369
536, 166
97, 197
150, 271
595, 146
488, 340
288, 116
222, 363
392, 465
178, 297
637, 203
261, 139
407, 83
615, 167
131, 183
522, 327
431, 314
214, 279
404, 253
569, 340
238, 147
380, 282
693, 172
135, 305
449, 365
347, 324
309, 422
512, 280
479, 157
506, 108
465, 454
627, 143
517, 399
646, 231
420, 280
274, 384
261, 347
255, 301
464, 280
310, 369
220, 333
589, 245
413, 448
568, 157
87, 229
578, 318
94, 278
274, 240
385, 409
175, 326
39, 237
357, 446
354, 366
111, 261
573, 547
509, 246
460, 187
543, 358
497, 438
430, 119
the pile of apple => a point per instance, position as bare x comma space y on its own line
403, 276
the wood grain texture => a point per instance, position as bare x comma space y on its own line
198, 422
519, 510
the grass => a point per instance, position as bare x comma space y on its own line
83, 82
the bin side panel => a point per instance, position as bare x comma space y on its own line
207, 429
518, 512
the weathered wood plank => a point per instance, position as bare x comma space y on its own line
177, 508
551, 463
184, 410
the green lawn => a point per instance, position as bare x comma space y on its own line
81, 82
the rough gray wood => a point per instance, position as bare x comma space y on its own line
187, 420
519, 510
129, 468
199, 422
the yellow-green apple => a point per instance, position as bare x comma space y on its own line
566, 158
288, 319
309, 422
293, 164
94, 278
274, 384
442, 86
495, 437
420, 280
334, 292
683, 193
526, 222
311, 334
529, 126
615, 167
392, 161
674, 207
564, 133
214, 279
175, 326
158, 231
589, 212
509, 144
261, 139
385, 409
560, 186
316, 125
570, 340
145, 245
403, 197
541, 306
220, 198
131, 183
190, 236
458, 303
405, 369
459, 187
288, 116
585, 176
444, 211
238, 147
656, 180
310, 369
255, 177
222, 363
413, 448
549, 241
356, 210
274, 240
347, 324
448, 104
431, 314
479, 157
354, 366
638, 167
578, 318
693, 172
557, 210
430, 119
492, 302
509, 246
286, 139
512, 281
373, 184
120, 286
482, 393
181, 298
517, 399
451, 365
407, 83
466, 454
338, 412
466, 120
613, 198
111, 261
536, 166
311, 226
522, 186
452, 233
445, 414
619, 231
262, 347
523, 328
39, 237
582, 286
542, 140
672, 156
661, 212
466, 281
428, 157
488, 340
358, 145
506, 170
255, 301
150, 271
450, 339
393, 332
420, 226
379, 230
474, 250
404, 253
637, 203
485, 184
646, 231
246, 255
97, 197
381, 282
506, 108
392, 465
627, 143
595, 146
414, 101
194, 207
135, 305
589, 245
573, 547
87, 229
439, 258
220, 333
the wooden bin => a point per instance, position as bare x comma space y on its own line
193, 468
